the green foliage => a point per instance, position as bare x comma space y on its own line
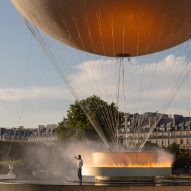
148, 145
24, 156
183, 162
174, 149
78, 124
13, 162
182, 157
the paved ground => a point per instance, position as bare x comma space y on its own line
166, 185
45, 187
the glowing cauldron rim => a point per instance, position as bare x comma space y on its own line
127, 159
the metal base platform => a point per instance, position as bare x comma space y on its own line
127, 171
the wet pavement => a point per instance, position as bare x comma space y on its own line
163, 182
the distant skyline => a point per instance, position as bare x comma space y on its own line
32, 93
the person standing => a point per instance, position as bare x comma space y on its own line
79, 167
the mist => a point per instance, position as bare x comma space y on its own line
56, 162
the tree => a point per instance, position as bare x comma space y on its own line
182, 161
174, 149
148, 145
84, 115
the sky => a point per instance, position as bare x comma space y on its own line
32, 92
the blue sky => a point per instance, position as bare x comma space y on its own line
23, 65
32, 93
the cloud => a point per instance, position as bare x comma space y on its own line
33, 106
144, 86
34, 92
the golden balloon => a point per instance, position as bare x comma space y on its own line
112, 27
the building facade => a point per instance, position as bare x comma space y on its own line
16, 134
41, 134
160, 129
44, 134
